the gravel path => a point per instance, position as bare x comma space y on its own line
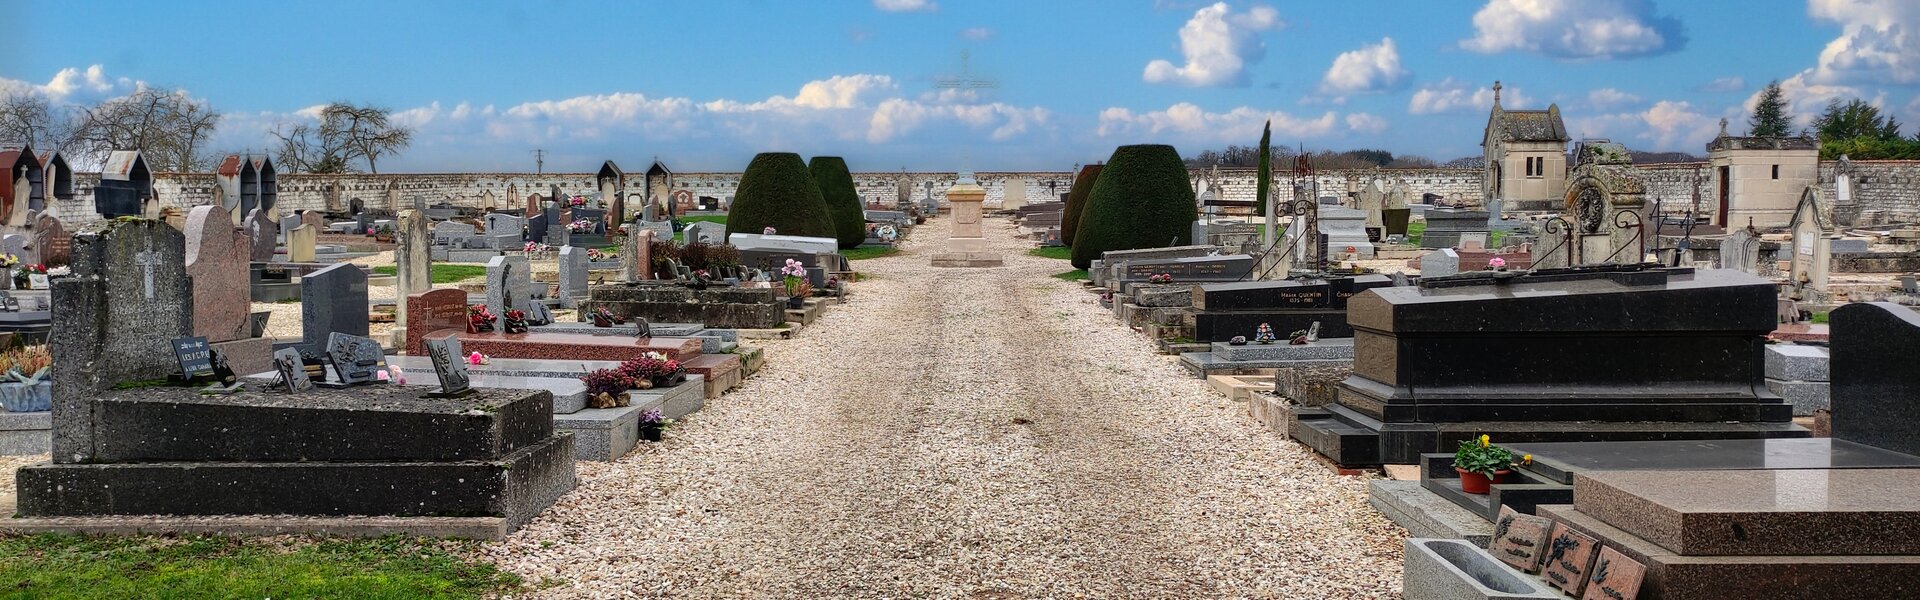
963, 433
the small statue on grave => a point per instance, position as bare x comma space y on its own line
516, 321
1263, 334
479, 319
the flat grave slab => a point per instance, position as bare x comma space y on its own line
1332, 349
602, 434
1559, 461
1760, 512
581, 346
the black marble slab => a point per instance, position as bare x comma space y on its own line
1559, 460
1876, 377
1289, 294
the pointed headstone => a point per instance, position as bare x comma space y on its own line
509, 284
637, 258
51, 240
217, 257
265, 234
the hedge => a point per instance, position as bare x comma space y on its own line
777, 191
843, 203
1077, 202
1142, 199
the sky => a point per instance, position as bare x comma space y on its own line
704, 84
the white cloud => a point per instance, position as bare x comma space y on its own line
1188, 123
1878, 43
1365, 123
1666, 126
1575, 29
1218, 44
1722, 85
1806, 99
1452, 96
75, 86
905, 5
1609, 98
977, 33
1372, 69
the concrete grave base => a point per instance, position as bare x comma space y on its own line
472, 528
602, 434
968, 259
26, 433
1440, 569
1426, 514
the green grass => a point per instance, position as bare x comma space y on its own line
1060, 252
1074, 275
442, 273
868, 252
1415, 229
61, 566
1819, 318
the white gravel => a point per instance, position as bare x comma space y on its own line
963, 433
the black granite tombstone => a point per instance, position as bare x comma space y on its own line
1225, 310
333, 300
1629, 352
1876, 377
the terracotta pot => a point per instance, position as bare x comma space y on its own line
1476, 483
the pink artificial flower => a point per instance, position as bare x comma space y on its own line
767, 231
1497, 263
477, 359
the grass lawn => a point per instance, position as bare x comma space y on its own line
868, 252
1415, 229
1074, 275
441, 273
1061, 252
59, 566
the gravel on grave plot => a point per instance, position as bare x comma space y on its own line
953, 432
9, 464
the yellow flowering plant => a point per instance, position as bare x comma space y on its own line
1479, 455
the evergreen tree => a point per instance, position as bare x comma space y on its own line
1142, 199
1262, 188
1855, 118
778, 191
843, 202
1770, 113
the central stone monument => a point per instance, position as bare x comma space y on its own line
1613, 352
967, 246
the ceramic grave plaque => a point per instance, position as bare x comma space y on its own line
450, 365
195, 356
1569, 554
356, 360
644, 329
1615, 577
1519, 538
293, 374
539, 314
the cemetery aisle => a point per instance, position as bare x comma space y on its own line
953, 432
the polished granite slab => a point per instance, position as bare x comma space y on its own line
1559, 460
1790, 512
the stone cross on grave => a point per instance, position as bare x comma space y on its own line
147, 260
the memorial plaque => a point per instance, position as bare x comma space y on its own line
1519, 538
539, 314
1615, 577
195, 356
51, 239
1569, 554
356, 360
293, 374
450, 365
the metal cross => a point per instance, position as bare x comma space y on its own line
147, 260
966, 80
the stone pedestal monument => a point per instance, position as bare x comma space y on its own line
967, 246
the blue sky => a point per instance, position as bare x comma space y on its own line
705, 84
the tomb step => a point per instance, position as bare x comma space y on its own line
1559, 461
1338, 440
579, 346
516, 486
602, 434
1332, 349
674, 402
1205, 364
1678, 577
366, 423
1760, 512
1425, 514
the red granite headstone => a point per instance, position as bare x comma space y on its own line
434, 310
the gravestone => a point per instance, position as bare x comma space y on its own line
300, 243
636, 260
539, 314
1519, 539
217, 257
556, 220
1345, 228
20, 246
537, 227
356, 360
413, 266
573, 276
509, 284
1445, 261
265, 234
332, 300
432, 311
449, 365
127, 299
1875, 387
293, 372
194, 355
51, 239
313, 218
594, 215
1740, 252
1811, 247
505, 231
453, 233
706, 232
364, 223
1604, 221
1371, 200
1446, 226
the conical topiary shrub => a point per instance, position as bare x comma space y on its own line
1077, 202
1142, 199
777, 191
843, 203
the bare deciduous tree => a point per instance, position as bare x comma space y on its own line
345, 133
166, 125
29, 119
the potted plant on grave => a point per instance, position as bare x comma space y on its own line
607, 388
1263, 334
383, 233
516, 321
1480, 464
581, 226
8, 261
793, 276
654, 370
479, 319
23, 276
577, 201
652, 424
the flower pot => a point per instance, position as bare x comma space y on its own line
602, 321
519, 326
796, 302
21, 397
1476, 483
651, 433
